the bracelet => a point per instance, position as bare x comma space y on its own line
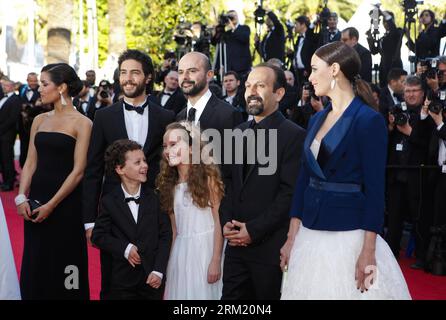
21, 198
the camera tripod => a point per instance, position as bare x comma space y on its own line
221, 56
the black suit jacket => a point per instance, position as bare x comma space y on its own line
427, 44
237, 49
115, 228
109, 126
176, 102
274, 45
308, 48
263, 201
366, 62
9, 116
385, 101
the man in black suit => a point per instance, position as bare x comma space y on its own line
134, 117
350, 37
234, 92
392, 94
273, 44
31, 107
303, 50
236, 38
10, 106
203, 107
389, 47
171, 98
408, 146
254, 213
132, 228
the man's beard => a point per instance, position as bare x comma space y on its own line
138, 90
195, 89
256, 109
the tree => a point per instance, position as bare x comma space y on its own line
59, 23
117, 41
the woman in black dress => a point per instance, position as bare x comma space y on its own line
55, 262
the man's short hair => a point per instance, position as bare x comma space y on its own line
413, 80
233, 73
442, 59
352, 32
141, 57
303, 20
280, 79
32, 74
395, 74
89, 71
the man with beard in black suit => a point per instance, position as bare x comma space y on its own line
171, 98
136, 118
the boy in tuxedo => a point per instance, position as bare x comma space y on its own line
131, 227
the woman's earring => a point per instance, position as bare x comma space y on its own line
332, 83
62, 99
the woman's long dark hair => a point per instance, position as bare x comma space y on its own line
350, 64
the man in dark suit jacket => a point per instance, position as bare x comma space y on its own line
392, 94
304, 49
389, 47
30, 109
10, 106
235, 94
254, 213
350, 36
273, 44
132, 228
171, 98
236, 38
135, 118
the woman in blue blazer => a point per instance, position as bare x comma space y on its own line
333, 249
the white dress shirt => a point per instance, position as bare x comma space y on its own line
137, 125
134, 208
199, 105
5, 98
299, 62
166, 97
441, 148
395, 100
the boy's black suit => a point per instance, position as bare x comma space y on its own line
115, 228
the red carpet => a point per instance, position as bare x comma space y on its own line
422, 286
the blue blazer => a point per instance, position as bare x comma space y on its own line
353, 152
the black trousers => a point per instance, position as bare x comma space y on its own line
141, 292
247, 280
7, 160
409, 201
439, 201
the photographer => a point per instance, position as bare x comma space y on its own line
236, 38
103, 98
410, 128
170, 63
200, 38
307, 106
436, 77
427, 45
273, 44
328, 22
388, 46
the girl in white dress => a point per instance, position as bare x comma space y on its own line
191, 192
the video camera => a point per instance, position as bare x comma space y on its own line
432, 71
224, 18
438, 101
183, 32
259, 14
411, 4
399, 111
310, 88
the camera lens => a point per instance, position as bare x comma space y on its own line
103, 94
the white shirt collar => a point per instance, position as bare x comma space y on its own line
8, 94
145, 100
200, 104
128, 195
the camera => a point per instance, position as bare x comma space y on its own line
224, 19
259, 14
411, 4
183, 32
438, 101
310, 88
103, 94
399, 111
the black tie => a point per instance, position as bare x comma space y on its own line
246, 166
139, 109
167, 94
398, 97
191, 114
136, 200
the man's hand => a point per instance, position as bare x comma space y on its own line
405, 129
236, 237
134, 258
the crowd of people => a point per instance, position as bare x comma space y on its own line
112, 166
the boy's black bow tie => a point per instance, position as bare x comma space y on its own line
136, 200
